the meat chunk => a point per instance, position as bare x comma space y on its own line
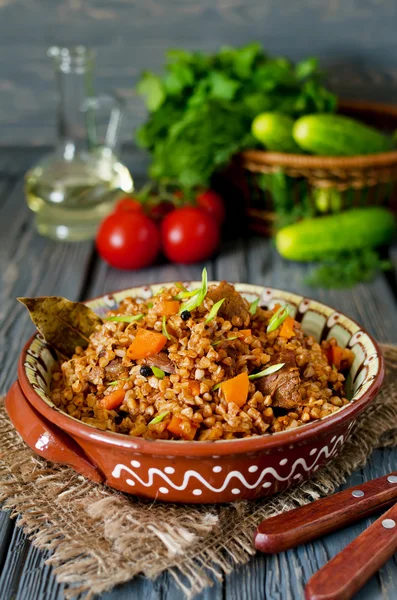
283, 385
234, 351
233, 306
162, 361
114, 367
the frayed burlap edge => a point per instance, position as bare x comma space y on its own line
99, 538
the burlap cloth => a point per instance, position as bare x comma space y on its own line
99, 537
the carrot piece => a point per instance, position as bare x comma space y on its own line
243, 333
146, 343
276, 307
194, 387
112, 400
167, 307
287, 328
336, 354
236, 389
182, 427
342, 358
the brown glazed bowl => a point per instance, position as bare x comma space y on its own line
182, 471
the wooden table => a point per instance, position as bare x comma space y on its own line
31, 266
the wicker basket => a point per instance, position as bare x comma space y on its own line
371, 179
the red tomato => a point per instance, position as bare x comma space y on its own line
189, 235
212, 203
160, 210
128, 205
128, 240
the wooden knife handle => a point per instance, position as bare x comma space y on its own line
347, 572
321, 517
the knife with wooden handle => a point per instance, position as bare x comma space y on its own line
321, 517
347, 572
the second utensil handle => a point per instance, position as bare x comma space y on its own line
321, 517
347, 572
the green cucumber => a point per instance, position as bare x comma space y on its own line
318, 238
327, 199
274, 130
336, 135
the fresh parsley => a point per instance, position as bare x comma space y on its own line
347, 269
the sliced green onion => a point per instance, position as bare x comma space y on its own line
254, 306
217, 386
125, 318
150, 304
180, 286
229, 339
214, 311
160, 374
278, 318
164, 329
268, 371
185, 294
160, 291
159, 418
116, 381
198, 296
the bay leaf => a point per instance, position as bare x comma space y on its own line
63, 324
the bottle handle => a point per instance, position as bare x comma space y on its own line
95, 103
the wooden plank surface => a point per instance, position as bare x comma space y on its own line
130, 37
31, 265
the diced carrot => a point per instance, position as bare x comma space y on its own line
146, 343
236, 389
336, 356
342, 358
182, 427
112, 400
276, 307
243, 333
287, 328
194, 387
167, 307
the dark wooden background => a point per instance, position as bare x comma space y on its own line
355, 39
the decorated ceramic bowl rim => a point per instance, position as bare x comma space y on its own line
204, 448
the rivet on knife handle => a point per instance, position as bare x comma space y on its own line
347, 572
321, 517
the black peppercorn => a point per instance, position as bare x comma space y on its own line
146, 371
185, 315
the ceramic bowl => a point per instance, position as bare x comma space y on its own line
182, 471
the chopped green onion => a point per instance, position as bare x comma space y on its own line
198, 297
278, 318
229, 339
180, 286
117, 381
254, 306
160, 374
216, 387
185, 294
268, 371
160, 291
125, 318
159, 418
150, 304
214, 311
164, 329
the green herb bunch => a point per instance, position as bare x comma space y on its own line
201, 109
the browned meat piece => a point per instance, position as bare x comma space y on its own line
234, 352
162, 361
114, 367
283, 385
233, 306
